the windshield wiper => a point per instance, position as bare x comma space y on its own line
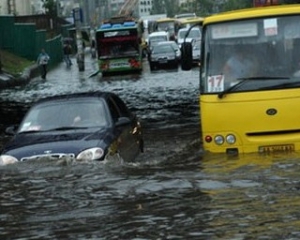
30, 131
52, 129
64, 129
244, 80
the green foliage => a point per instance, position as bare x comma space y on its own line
236, 4
158, 7
171, 8
13, 64
291, 1
51, 7
205, 8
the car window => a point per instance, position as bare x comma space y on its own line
182, 34
64, 114
122, 108
163, 49
113, 110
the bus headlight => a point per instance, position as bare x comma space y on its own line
219, 140
230, 139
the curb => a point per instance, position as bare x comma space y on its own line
7, 80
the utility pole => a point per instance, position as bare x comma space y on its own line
78, 18
58, 13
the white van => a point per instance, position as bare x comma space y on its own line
195, 33
156, 37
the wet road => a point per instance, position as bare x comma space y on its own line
172, 191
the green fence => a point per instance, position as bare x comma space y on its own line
26, 41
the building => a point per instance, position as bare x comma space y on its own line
144, 7
21, 7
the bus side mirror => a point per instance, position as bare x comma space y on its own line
186, 56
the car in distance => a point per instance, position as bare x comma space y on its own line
157, 37
194, 33
196, 44
164, 55
81, 126
175, 47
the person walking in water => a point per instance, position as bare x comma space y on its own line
67, 49
42, 61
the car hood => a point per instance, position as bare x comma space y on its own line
66, 142
157, 55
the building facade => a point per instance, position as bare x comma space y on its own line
21, 7
144, 7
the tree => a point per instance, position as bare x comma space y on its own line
50, 7
158, 7
291, 1
205, 7
236, 4
171, 8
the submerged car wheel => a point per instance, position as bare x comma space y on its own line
114, 158
152, 67
141, 145
175, 65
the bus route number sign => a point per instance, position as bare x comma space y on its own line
215, 83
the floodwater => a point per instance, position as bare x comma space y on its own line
172, 191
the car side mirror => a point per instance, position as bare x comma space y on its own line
11, 130
122, 121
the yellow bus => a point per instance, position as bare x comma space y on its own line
165, 24
250, 80
187, 23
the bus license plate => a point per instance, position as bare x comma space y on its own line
277, 148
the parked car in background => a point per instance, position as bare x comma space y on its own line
163, 55
194, 33
82, 126
157, 37
196, 44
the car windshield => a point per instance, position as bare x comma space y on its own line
194, 33
163, 49
157, 39
65, 115
256, 54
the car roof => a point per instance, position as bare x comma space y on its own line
167, 42
95, 94
186, 29
160, 33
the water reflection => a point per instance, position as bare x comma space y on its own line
212, 197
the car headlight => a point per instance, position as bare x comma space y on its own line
7, 159
91, 154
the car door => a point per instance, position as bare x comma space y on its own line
128, 140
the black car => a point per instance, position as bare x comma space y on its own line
80, 126
164, 55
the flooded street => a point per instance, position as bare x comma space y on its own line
172, 191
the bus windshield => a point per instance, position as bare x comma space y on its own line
251, 55
118, 43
